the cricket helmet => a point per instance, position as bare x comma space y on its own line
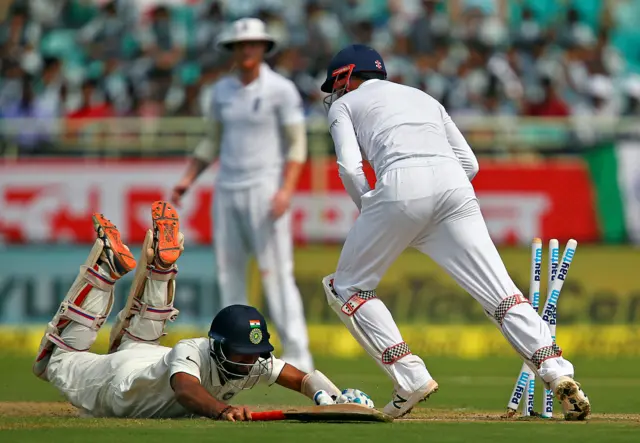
350, 60
240, 330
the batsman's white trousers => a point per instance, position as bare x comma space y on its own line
243, 226
109, 385
434, 209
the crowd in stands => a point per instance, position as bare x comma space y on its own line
84, 59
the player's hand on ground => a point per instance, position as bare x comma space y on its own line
235, 413
355, 396
280, 203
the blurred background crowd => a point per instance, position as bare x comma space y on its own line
91, 59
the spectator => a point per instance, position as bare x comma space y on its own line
162, 41
49, 91
429, 29
190, 106
598, 104
93, 103
526, 33
550, 104
37, 135
19, 39
573, 31
103, 35
207, 30
454, 50
12, 81
632, 96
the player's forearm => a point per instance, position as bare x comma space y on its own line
292, 171
194, 169
200, 402
296, 135
355, 183
461, 148
291, 378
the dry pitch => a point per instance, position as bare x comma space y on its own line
468, 407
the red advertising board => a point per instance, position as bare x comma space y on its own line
52, 200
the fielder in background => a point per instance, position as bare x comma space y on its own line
256, 122
424, 199
140, 378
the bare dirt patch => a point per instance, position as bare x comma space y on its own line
424, 415
62, 409
37, 409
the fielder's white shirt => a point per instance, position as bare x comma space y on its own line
252, 143
148, 393
392, 126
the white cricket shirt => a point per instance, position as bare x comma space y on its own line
147, 393
252, 144
392, 126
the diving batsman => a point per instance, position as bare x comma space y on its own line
139, 378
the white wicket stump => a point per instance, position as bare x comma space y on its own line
534, 297
554, 255
524, 389
525, 382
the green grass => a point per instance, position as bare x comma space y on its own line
466, 386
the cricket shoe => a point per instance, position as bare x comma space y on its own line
168, 241
115, 253
575, 403
404, 401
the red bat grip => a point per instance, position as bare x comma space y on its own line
268, 416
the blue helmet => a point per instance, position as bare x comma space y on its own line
240, 330
352, 59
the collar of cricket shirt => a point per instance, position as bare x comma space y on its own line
370, 81
257, 83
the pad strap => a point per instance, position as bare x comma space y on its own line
95, 279
162, 274
506, 304
161, 313
59, 342
75, 313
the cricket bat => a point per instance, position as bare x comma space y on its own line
329, 413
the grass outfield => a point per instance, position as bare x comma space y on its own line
473, 395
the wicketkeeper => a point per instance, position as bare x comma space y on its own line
141, 378
423, 199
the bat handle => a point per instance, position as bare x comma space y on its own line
267, 416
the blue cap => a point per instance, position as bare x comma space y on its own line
365, 59
242, 330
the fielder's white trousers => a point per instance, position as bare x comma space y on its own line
434, 209
243, 226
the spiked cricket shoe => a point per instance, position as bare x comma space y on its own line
575, 403
403, 401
